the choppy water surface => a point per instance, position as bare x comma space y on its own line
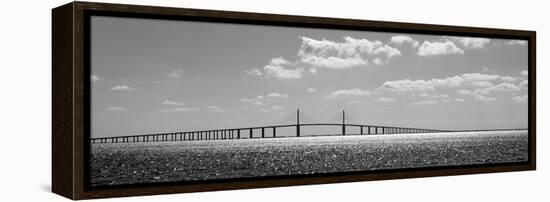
129, 163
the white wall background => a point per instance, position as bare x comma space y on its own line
25, 104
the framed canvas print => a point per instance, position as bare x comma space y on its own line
155, 100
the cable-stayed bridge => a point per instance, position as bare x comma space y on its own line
300, 120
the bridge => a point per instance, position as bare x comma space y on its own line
260, 132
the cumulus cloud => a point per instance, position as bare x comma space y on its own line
176, 73
115, 109
523, 84
95, 78
441, 96
254, 72
482, 84
353, 102
248, 100
524, 73
386, 99
350, 92
439, 48
277, 95
378, 61
508, 79
313, 70
520, 99
484, 98
216, 108
311, 90
341, 55
402, 39
516, 42
179, 109
482, 94
276, 108
121, 88
425, 102
276, 69
460, 100
432, 84
471, 42
333, 62
169, 102
502, 87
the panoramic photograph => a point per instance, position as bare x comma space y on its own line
185, 101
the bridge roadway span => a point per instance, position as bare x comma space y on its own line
235, 133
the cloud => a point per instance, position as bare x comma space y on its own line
215, 108
179, 109
95, 78
115, 109
484, 98
524, 73
508, 79
378, 61
432, 84
516, 42
502, 87
311, 90
276, 69
258, 103
407, 85
425, 102
169, 102
520, 99
441, 96
277, 95
122, 88
248, 100
488, 70
277, 108
279, 61
386, 99
176, 73
350, 92
459, 100
439, 48
481, 94
388, 51
524, 84
254, 72
341, 55
333, 62
482, 83
423, 94
353, 102
471, 42
402, 39
313, 70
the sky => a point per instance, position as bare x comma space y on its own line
153, 76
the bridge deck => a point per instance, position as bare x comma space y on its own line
235, 133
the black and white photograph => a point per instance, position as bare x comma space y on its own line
195, 101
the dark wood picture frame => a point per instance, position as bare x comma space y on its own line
70, 92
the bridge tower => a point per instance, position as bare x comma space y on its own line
343, 122
298, 122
